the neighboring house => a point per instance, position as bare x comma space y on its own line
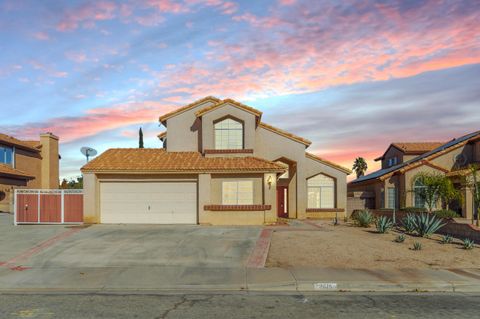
220, 164
27, 164
393, 186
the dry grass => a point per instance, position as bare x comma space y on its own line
347, 246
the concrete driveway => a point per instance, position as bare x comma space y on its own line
126, 245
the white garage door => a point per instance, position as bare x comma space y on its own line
148, 202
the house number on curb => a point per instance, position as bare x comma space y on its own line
324, 285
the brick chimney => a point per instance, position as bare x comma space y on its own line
50, 160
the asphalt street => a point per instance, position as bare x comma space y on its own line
333, 305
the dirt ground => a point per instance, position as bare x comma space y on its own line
347, 246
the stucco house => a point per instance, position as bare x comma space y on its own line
393, 185
27, 164
220, 164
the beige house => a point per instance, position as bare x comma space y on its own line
27, 164
393, 186
220, 164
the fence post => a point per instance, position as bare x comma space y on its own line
63, 205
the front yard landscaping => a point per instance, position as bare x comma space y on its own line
348, 246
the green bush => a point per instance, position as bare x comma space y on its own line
400, 238
427, 224
468, 244
383, 224
417, 246
446, 213
364, 218
414, 210
446, 239
409, 223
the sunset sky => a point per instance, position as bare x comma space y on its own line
352, 76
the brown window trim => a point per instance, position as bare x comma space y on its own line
232, 151
325, 210
233, 208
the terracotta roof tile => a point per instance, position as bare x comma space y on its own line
159, 160
229, 101
10, 140
10, 171
417, 147
187, 107
324, 161
162, 135
285, 134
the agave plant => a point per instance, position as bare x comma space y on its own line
417, 246
427, 225
468, 244
409, 223
364, 218
400, 238
446, 239
383, 224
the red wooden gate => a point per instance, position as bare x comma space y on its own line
48, 206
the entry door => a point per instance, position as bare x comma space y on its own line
282, 201
148, 202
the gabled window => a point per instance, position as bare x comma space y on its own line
392, 161
321, 192
237, 193
6, 155
228, 134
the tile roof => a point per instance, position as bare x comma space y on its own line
158, 160
413, 148
10, 140
187, 107
244, 107
414, 162
285, 134
7, 170
331, 164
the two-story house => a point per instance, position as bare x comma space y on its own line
27, 164
220, 164
394, 185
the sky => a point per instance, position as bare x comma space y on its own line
351, 76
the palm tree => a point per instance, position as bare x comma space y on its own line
360, 166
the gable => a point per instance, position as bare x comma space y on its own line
230, 103
204, 102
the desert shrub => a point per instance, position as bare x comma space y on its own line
446, 213
468, 244
409, 223
446, 239
383, 224
427, 224
414, 210
364, 218
400, 238
417, 246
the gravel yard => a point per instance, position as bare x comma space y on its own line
347, 246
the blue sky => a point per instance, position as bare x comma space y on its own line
351, 76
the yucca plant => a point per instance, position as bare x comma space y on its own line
427, 224
446, 239
400, 238
364, 218
409, 223
383, 224
468, 244
417, 246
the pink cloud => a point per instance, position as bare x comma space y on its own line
42, 36
287, 2
48, 69
86, 15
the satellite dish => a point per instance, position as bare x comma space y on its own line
88, 151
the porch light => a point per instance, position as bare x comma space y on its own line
269, 181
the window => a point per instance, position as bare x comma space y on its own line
321, 192
418, 189
392, 197
392, 161
237, 193
6, 155
228, 135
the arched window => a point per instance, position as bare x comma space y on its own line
418, 190
228, 134
321, 192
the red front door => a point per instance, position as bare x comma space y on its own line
282, 204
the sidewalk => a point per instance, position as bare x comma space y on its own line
175, 278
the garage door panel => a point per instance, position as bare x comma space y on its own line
148, 202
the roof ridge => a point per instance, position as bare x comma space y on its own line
184, 108
286, 133
327, 162
231, 101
